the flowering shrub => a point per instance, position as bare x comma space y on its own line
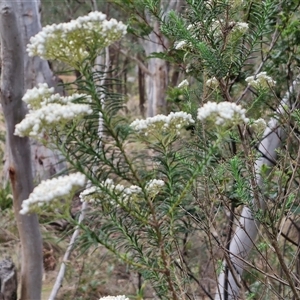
157, 186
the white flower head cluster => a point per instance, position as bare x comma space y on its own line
72, 42
261, 81
212, 83
48, 110
239, 29
171, 123
52, 190
181, 45
89, 194
222, 114
114, 298
183, 84
154, 186
190, 27
132, 193
33, 97
93, 194
259, 125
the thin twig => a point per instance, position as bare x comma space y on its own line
61, 274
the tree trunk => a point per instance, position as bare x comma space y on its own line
45, 162
12, 90
141, 81
156, 83
157, 79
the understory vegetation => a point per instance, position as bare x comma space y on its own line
200, 202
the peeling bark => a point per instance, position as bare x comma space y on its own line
12, 89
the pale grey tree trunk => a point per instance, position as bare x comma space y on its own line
247, 227
45, 162
155, 83
12, 90
157, 79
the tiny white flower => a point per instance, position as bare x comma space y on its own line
190, 27
183, 84
154, 186
261, 81
259, 125
212, 83
180, 45
241, 27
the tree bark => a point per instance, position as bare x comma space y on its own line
141, 81
157, 79
8, 279
12, 89
156, 83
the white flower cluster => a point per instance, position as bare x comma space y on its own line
238, 30
93, 194
212, 83
223, 114
190, 27
259, 125
171, 123
181, 45
71, 42
154, 186
114, 298
51, 190
49, 111
35, 96
183, 84
261, 81
241, 27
